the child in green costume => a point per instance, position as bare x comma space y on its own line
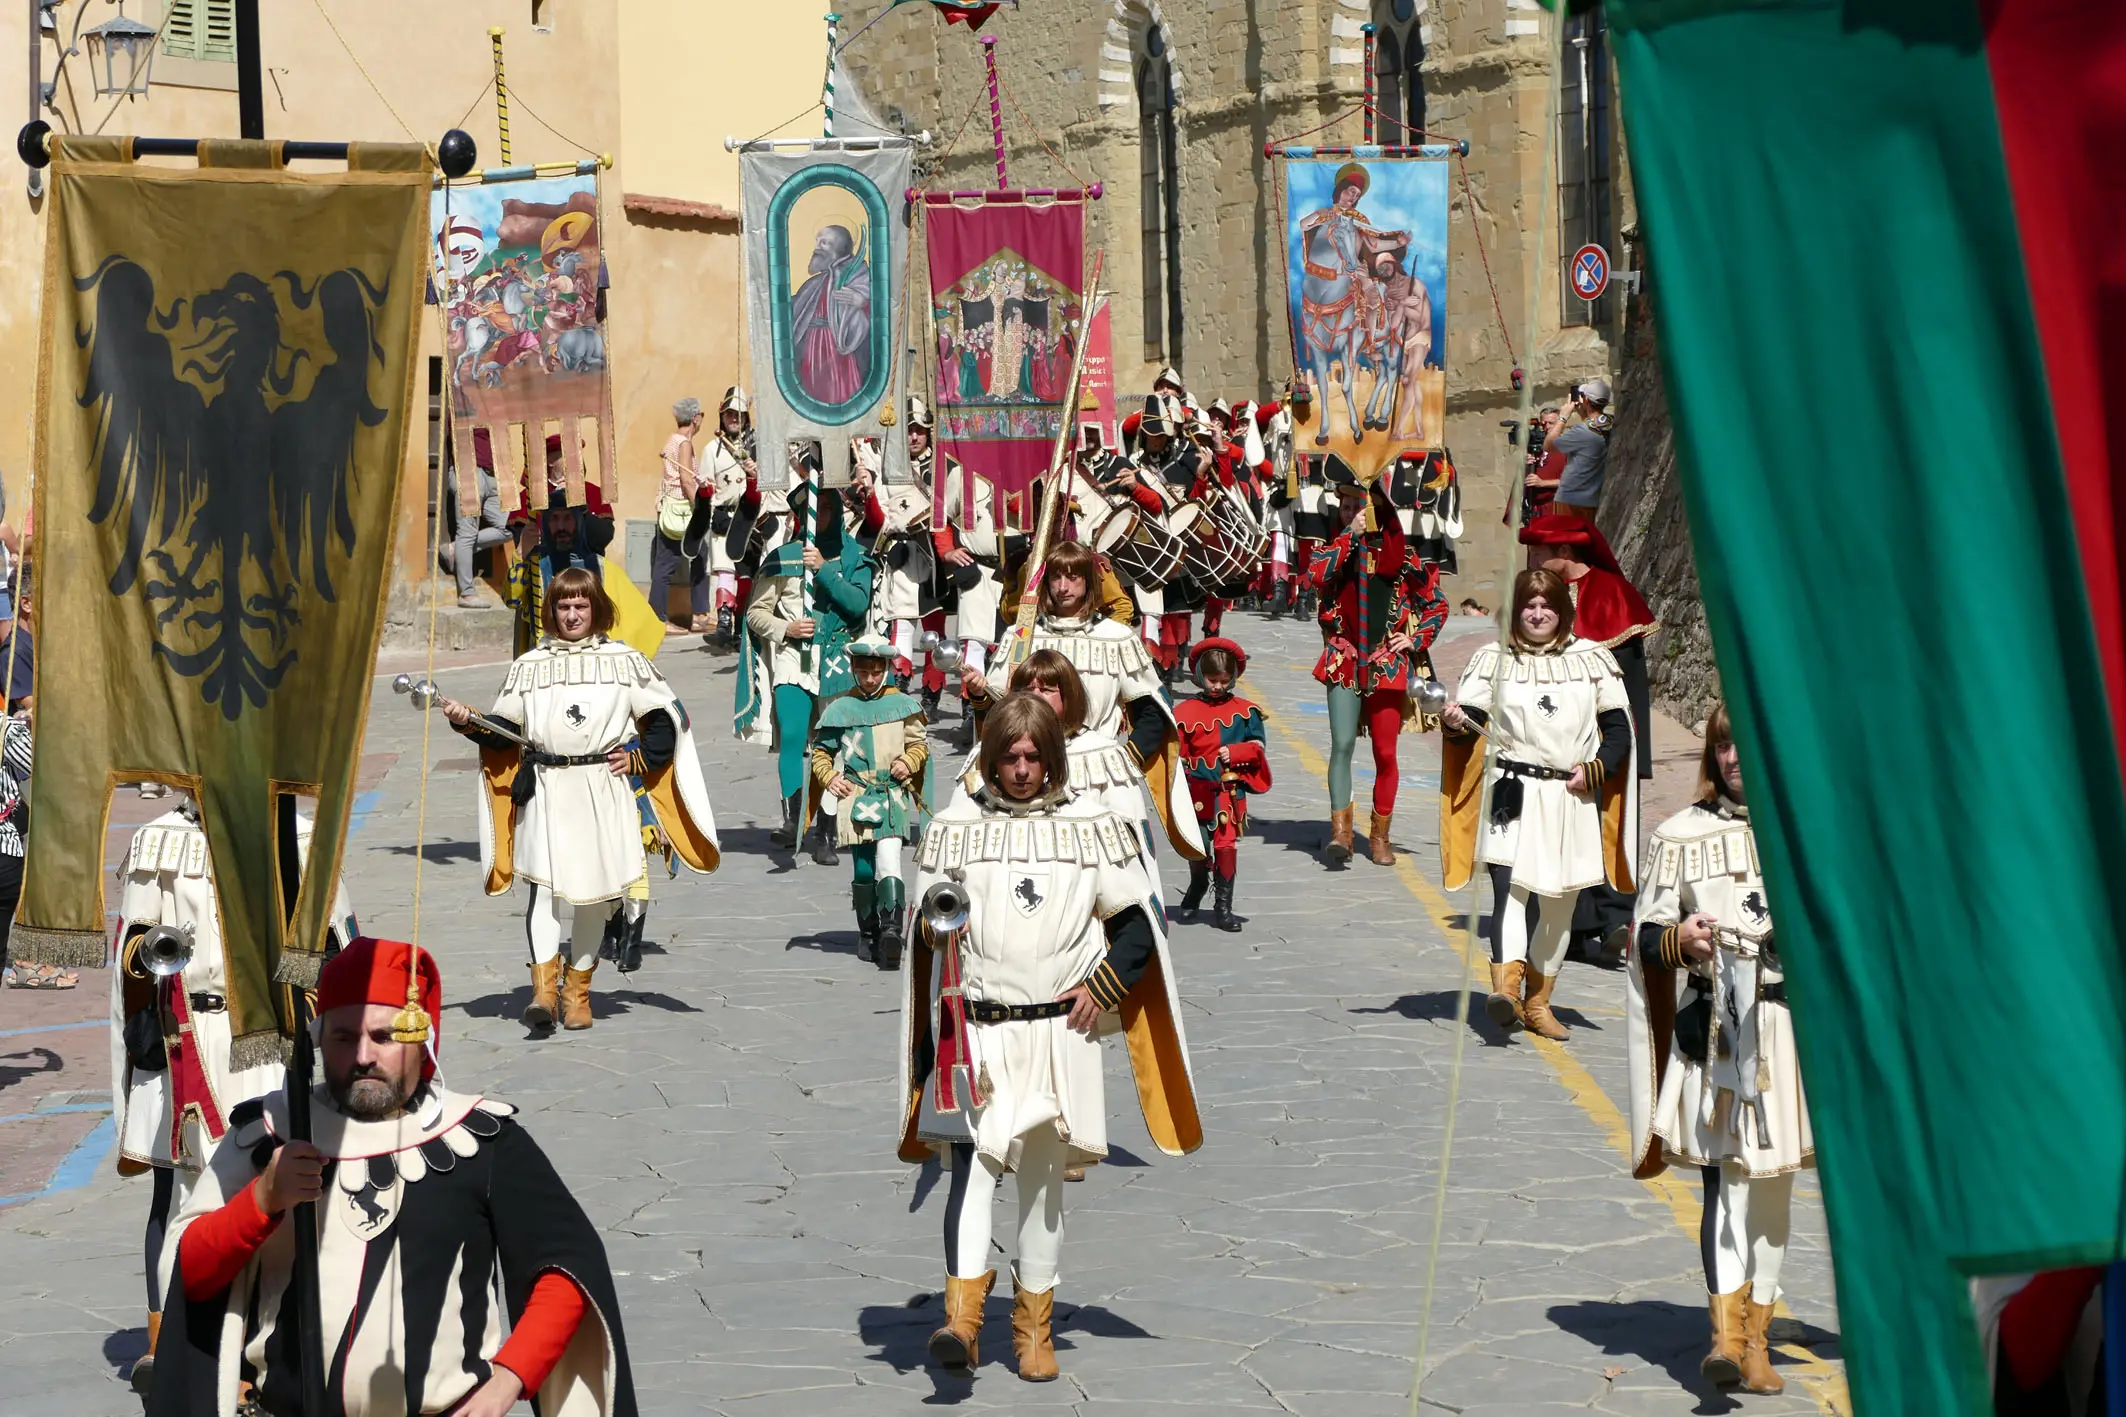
869, 748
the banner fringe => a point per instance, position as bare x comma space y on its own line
257, 1050
300, 968
65, 949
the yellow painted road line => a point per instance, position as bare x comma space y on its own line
1822, 1380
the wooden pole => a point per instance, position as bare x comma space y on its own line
494, 38
996, 107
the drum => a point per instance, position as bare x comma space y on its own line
1241, 529
1141, 549
1214, 559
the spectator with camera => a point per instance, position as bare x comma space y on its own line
1583, 438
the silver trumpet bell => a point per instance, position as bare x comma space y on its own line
1431, 696
944, 653
945, 908
165, 950
422, 691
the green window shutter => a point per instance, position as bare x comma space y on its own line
180, 29
217, 37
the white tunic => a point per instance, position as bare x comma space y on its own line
902, 588
1704, 860
1039, 884
725, 474
581, 833
980, 603
1111, 662
1542, 711
777, 600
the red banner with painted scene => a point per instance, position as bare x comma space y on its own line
1006, 281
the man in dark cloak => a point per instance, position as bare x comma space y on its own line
830, 317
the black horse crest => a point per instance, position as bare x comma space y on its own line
203, 451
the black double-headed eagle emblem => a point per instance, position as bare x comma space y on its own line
232, 492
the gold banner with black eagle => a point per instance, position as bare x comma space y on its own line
224, 392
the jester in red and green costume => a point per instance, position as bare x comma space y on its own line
1224, 757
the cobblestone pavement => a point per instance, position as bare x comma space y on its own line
729, 1121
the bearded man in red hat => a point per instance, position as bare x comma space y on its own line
426, 1202
1607, 610
1225, 755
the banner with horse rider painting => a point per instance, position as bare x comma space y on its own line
518, 266
1005, 290
1366, 242
826, 259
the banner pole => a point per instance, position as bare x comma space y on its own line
1369, 30
494, 38
1052, 492
996, 107
826, 97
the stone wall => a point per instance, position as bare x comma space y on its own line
1642, 515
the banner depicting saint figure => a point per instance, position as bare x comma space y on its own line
1366, 241
225, 385
517, 265
826, 249
1005, 287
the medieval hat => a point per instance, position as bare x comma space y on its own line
393, 972
1338, 473
1169, 375
1155, 423
1221, 408
871, 647
919, 413
1240, 656
1351, 174
735, 401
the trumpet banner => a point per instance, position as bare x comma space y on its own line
826, 267
224, 386
1366, 243
517, 265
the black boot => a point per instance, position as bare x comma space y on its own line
891, 917
1199, 881
1222, 916
786, 834
1276, 605
629, 958
931, 699
615, 933
820, 840
867, 939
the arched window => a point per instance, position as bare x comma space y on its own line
1159, 199
1398, 79
1586, 143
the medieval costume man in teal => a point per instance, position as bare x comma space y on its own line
869, 750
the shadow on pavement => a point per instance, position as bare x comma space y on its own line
606, 1004
124, 1348
438, 851
1439, 1007
12, 1073
1305, 837
901, 1334
1673, 1337
827, 942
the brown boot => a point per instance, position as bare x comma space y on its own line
1338, 850
545, 1005
1377, 839
958, 1343
1757, 1374
1535, 1008
1503, 1007
141, 1378
1030, 1315
576, 998
1722, 1365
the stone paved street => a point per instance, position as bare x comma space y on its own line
729, 1125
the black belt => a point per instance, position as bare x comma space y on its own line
1773, 992
541, 758
982, 1011
208, 1003
1513, 769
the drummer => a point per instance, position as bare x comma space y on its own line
1158, 482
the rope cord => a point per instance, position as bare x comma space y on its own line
1039, 136
784, 124
466, 116
435, 588
362, 70
1284, 272
516, 96
1469, 204
1469, 940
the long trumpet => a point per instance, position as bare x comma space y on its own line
164, 950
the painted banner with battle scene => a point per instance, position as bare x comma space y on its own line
1366, 245
1006, 285
225, 388
826, 265
517, 265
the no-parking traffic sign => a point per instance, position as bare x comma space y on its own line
1590, 272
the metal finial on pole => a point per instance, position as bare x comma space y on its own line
494, 37
1369, 30
996, 106
826, 97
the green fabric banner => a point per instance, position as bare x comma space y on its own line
1877, 505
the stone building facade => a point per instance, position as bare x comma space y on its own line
1168, 104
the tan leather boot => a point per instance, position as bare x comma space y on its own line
1722, 1365
1757, 1374
958, 1343
576, 998
141, 1377
545, 1005
1504, 1006
1338, 850
1377, 839
1030, 1339
1535, 1008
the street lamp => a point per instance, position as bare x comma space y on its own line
120, 52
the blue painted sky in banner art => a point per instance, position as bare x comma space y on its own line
1406, 194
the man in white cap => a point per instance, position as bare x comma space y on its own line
1583, 438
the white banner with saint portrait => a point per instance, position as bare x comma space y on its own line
826, 260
